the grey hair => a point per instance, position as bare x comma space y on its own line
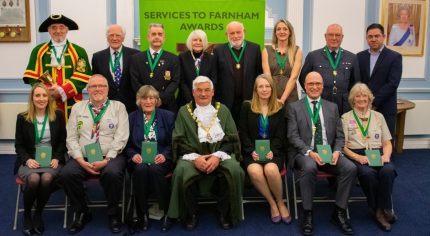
202, 79
146, 91
357, 89
234, 23
108, 28
198, 33
157, 25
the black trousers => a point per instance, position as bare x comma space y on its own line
218, 189
72, 177
148, 179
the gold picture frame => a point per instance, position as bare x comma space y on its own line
405, 24
15, 21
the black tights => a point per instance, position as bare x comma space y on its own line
38, 187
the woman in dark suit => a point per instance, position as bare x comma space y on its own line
41, 126
263, 118
194, 62
152, 124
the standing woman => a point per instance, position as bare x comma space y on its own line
263, 118
283, 60
366, 129
41, 125
194, 62
150, 124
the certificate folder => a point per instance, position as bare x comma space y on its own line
374, 157
93, 152
44, 156
262, 148
325, 153
148, 152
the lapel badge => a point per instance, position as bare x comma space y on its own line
167, 75
81, 65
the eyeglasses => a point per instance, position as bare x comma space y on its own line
97, 86
334, 35
312, 84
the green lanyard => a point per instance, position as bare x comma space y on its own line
100, 115
314, 117
36, 130
152, 64
237, 59
112, 64
281, 63
330, 59
364, 131
58, 58
147, 127
264, 122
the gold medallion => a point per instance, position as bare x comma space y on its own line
334, 73
151, 75
314, 128
238, 66
59, 67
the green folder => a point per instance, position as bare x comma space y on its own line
262, 147
374, 157
325, 153
148, 152
44, 155
93, 152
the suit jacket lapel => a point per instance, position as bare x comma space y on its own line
366, 67
306, 114
227, 56
105, 61
326, 115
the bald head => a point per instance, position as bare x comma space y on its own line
314, 85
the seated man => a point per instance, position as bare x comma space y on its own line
206, 143
306, 130
102, 121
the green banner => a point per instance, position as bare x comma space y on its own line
180, 17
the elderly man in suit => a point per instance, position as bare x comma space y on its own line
237, 64
337, 66
113, 63
381, 70
306, 130
157, 67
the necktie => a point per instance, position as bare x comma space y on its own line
117, 72
155, 55
333, 55
318, 132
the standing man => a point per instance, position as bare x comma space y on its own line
157, 67
98, 122
381, 70
338, 67
237, 64
66, 63
113, 63
314, 121
206, 145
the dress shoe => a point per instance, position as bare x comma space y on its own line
191, 222
27, 228
307, 223
224, 223
166, 224
114, 224
390, 216
339, 218
287, 220
79, 223
27, 232
276, 219
39, 226
382, 222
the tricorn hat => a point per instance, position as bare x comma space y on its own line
58, 19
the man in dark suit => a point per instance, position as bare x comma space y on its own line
157, 67
338, 67
307, 129
237, 64
381, 70
113, 63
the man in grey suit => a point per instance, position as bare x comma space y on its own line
305, 131
338, 67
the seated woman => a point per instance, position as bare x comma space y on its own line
150, 124
263, 118
366, 129
41, 127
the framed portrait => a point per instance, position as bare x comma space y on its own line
405, 24
14, 21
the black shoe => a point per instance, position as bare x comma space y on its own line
382, 222
114, 224
390, 216
144, 224
191, 222
27, 228
79, 223
166, 224
39, 226
339, 218
307, 223
224, 223
27, 232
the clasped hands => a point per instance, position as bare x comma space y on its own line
255, 156
207, 163
316, 157
159, 159
33, 164
92, 168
